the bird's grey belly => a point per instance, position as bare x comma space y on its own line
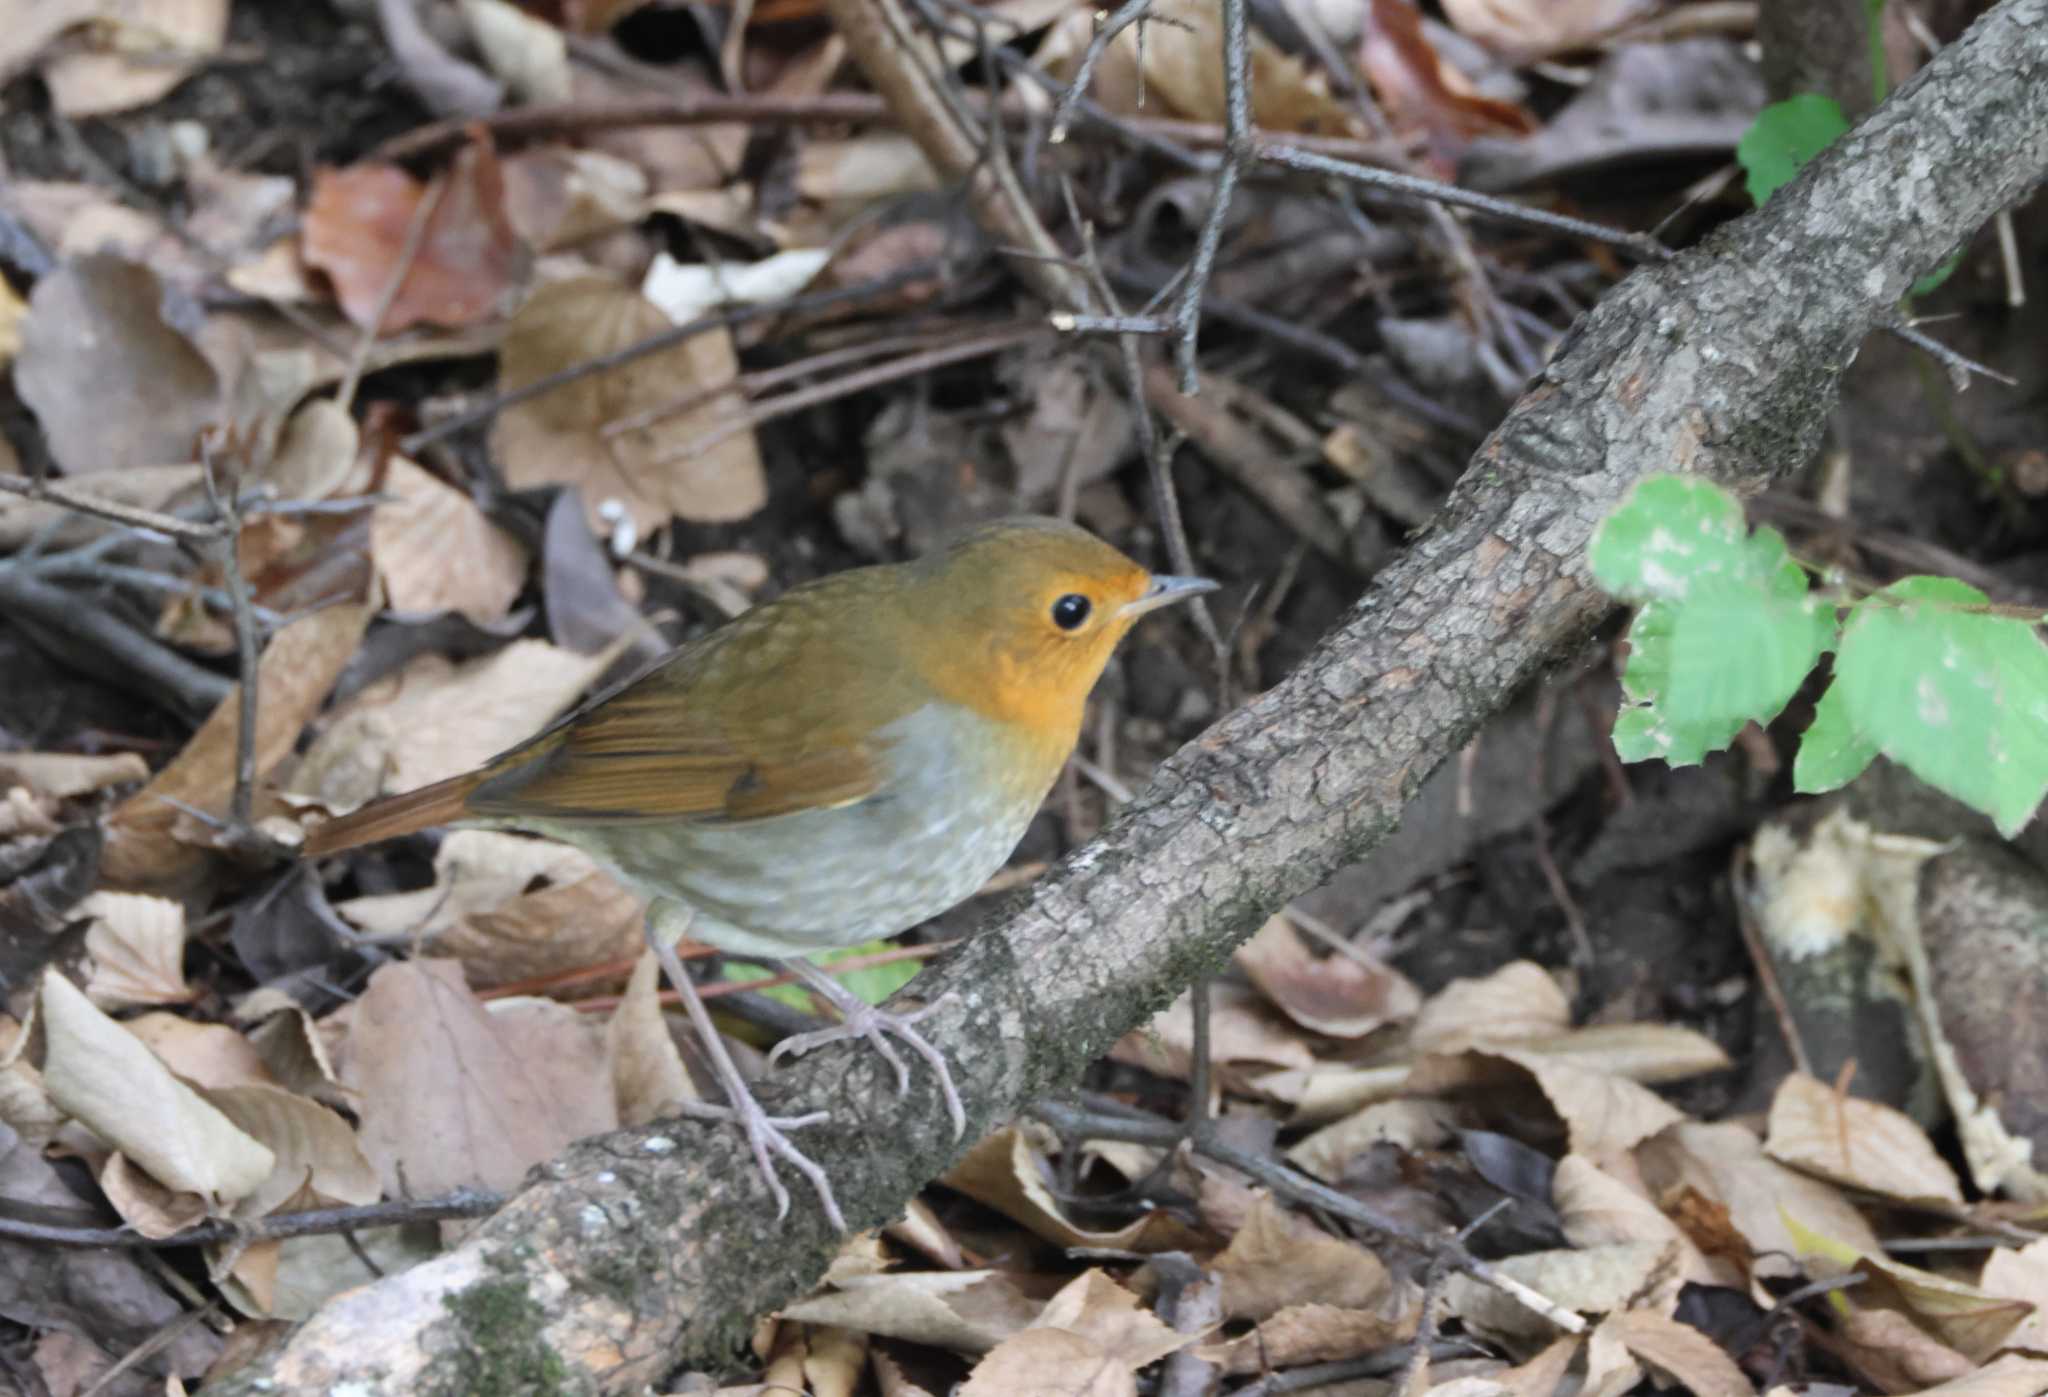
822, 878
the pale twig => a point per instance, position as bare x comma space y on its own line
58, 493
655, 343
156, 1343
908, 366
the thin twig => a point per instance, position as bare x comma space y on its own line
58, 493
1142, 1129
165, 1336
228, 548
1237, 153
655, 343
195, 689
1415, 186
1127, 14
908, 366
1766, 970
461, 1203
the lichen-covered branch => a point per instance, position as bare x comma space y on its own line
649, 1248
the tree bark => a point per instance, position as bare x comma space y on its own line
645, 1249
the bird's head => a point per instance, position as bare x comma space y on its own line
1019, 617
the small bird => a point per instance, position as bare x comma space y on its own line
837, 765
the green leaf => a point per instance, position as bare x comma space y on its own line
1933, 280
1784, 136
1957, 698
1667, 533
873, 983
1728, 629
1831, 752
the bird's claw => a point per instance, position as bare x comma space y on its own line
767, 1137
863, 1020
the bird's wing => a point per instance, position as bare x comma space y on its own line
748, 725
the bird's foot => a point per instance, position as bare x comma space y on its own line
859, 1019
767, 1137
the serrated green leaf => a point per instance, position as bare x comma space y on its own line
1668, 531
873, 983
1784, 136
1959, 699
1831, 752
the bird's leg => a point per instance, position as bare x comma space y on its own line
865, 1020
765, 1133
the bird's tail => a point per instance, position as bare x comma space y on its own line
438, 804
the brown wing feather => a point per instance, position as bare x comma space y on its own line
747, 724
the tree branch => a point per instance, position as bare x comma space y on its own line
651, 1247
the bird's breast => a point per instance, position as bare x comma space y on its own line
959, 792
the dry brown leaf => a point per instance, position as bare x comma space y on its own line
137, 945
459, 1097
1410, 1124
436, 718
969, 1311
468, 261
1897, 1353
315, 1148
1863, 1144
557, 196
510, 908
156, 44
436, 551
1307, 1333
1242, 1031
205, 1054
559, 437
1595, 1208
295, 1052
2021, 1273
1424, 94
65, 775
646, 1069
1540, 1376
1007, 1172
1726, 1164
101, 1075
1103, 1312
1964, 1317
1175, 70
96, 321
317, 452
2011, 1375
1048, 1363
311, 1270
920, 1229
1611, 1369
1278, 1260
1334, 994
1692, 1359
1605, 1114
1524, 31
1595, 1280
528, 54
298, 668
146, 1205
1515, 1003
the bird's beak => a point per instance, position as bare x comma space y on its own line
1164, 591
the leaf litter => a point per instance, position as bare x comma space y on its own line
201, 1033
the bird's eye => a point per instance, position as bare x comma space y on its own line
1070, 611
